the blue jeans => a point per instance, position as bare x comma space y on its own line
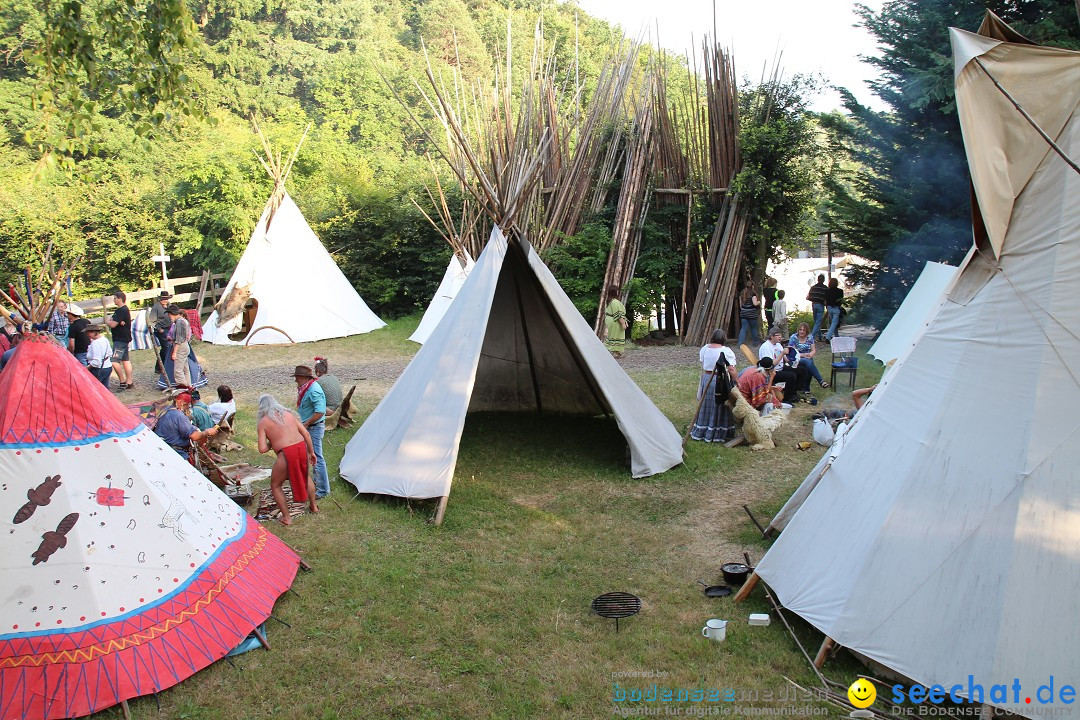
752, 327
322, 480
834, 322
814, 372
81, 357
819, 312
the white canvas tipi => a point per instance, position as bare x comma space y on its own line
943, 540
292, 288
511, 341
917, 309
452, 280
124, 570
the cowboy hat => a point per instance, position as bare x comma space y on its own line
303, 371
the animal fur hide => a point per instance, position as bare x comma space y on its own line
757, 429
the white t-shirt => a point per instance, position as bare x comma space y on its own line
709, 355
99, 353
219, 410
773, 351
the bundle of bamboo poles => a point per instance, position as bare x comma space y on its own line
529, 164
634, 198
710, 304
40, 292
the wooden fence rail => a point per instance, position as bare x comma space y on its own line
206, 289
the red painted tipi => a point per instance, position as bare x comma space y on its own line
124, 570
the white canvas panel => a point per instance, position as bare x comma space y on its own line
148, 524
942, 541
913, 314
449, 286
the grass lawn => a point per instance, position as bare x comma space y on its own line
488, 615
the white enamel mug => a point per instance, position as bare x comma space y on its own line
715, 630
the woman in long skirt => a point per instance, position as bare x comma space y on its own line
714, 421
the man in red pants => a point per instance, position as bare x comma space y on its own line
280, 430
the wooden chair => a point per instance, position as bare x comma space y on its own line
843, 360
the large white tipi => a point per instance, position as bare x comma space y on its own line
286, 287
943, 538
457, 270
124, 570
511, 341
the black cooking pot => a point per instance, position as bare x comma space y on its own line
735, 573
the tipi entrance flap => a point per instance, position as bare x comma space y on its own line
528, 362
1003, 149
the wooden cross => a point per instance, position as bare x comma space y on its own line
162, 258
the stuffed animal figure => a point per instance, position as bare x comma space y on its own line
757, 429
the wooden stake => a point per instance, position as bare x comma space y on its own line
262, 638
126, 709
441, 510
748, 587
823, 652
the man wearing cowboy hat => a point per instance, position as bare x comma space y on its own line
159, 321
311, 404
78, 341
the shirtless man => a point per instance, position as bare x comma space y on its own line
280, 430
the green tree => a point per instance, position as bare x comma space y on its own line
780, 168
87, 57
909, 201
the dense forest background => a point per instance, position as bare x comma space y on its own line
107, 157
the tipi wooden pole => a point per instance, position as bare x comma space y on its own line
747, 588
262, 638
126, 709
823, 652
202, 291
442, 509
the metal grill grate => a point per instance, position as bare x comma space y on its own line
615, 605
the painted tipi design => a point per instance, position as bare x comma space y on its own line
125, 570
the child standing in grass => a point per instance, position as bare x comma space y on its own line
779, 311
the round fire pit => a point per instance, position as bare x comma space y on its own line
616, 605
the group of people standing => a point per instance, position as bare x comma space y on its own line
102, 356
85, 340
178, 366
822, 298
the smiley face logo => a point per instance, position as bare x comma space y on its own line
862, 693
